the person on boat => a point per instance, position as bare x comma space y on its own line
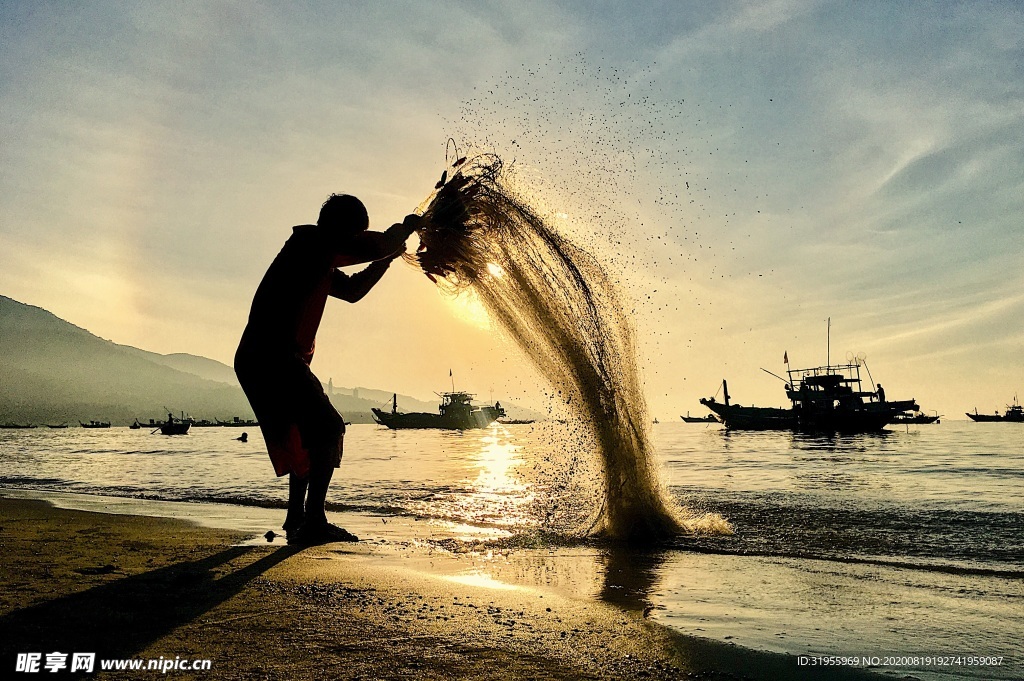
303, 432
880, 391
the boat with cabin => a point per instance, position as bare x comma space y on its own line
456, 412
1014, 413
828, 398
237, 422
95, 424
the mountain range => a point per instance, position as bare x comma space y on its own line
52, 371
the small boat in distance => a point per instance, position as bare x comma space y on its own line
456, 412
173, 426
1014, 413
710, 418
236, 422
16, 425
916, 417
58, 425
95, 424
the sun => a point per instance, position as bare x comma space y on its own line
467, 307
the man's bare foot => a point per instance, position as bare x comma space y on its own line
291, 527
319, 533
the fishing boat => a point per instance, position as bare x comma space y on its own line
56, 425
710, 418
828, 398
1014, 413
456, 412
175, 426
916, 417
95, 424
236, 422
16, 425
135, 425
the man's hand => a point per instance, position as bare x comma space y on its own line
401, 231
410, 224
398, 233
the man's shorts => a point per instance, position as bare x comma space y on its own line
299, 423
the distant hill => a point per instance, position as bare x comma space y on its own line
52, 371
203, 367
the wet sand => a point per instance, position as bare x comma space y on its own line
140, 587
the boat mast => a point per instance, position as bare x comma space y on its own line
828, 344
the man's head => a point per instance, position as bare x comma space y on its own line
345, 213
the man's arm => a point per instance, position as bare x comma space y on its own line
374, 246
352, 288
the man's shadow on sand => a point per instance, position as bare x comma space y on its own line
121, 618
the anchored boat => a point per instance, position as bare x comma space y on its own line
1014, 413
828, 398
456, 412
917, 417
236, 422
710, 418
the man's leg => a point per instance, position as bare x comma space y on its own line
316, 529
324, 440
296, 502
323, 432
320, 474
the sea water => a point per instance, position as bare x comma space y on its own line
907, 543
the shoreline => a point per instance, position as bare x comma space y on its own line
132, 586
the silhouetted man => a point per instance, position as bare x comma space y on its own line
880, 391
303, 431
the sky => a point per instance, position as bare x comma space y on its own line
745, 170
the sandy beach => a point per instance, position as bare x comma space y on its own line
133, 587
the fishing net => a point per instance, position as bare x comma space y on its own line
559, 305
